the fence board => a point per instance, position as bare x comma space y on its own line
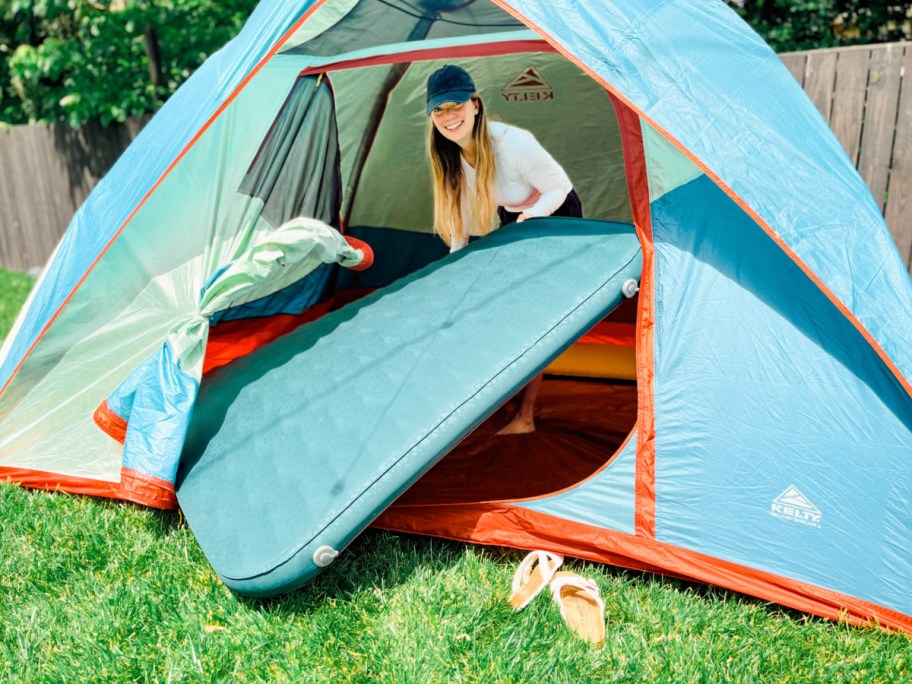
9, 219
820, 75
899, 191
24, 194
16, 160
47, 162
849, 100
45, 175
795, 62
32, 196
880, 119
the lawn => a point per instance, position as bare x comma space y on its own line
98, 591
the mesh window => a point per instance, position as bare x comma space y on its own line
296, 171
383, 22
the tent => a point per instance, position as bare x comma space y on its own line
769, 425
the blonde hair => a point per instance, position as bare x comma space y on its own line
449, 181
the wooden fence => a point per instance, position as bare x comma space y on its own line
46, 172
863, 94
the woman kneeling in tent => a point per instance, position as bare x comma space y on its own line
479, 167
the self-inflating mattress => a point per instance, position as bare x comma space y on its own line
297, 447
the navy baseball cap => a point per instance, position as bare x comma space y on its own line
450, 83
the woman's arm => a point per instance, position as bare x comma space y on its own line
544, 174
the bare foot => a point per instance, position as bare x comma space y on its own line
518, 426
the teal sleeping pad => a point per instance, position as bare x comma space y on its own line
297, 447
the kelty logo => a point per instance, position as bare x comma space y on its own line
793, 505
529, 86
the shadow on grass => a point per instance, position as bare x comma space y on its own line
381, 560
377, 562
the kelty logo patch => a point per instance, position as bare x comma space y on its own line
793, 505
529, 86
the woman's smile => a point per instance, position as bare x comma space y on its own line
455, 121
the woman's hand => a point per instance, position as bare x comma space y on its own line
523, 216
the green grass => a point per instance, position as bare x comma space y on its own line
14, 288
99, 591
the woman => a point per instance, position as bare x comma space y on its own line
483, 168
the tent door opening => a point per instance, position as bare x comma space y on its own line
581, 424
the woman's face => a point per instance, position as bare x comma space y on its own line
456, 121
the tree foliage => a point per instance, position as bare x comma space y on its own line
77, 60
809, 24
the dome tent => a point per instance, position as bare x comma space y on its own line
773, 401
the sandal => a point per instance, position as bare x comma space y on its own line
581, 607
533, 575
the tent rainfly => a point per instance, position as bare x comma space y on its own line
764, 446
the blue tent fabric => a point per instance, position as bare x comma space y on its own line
158, 399
605, 500
708, 81
815, 409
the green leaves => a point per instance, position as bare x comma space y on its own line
77, 60
810, 24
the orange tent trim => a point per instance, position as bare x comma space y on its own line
638, 188
133, 486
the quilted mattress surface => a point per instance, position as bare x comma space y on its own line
297, 447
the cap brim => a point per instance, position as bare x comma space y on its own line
457, 96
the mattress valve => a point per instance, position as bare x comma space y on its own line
630, 288
324, 555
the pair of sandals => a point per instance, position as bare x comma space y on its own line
581, 607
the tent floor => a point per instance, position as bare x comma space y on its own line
579, 426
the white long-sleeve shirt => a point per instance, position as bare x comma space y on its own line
527, 178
